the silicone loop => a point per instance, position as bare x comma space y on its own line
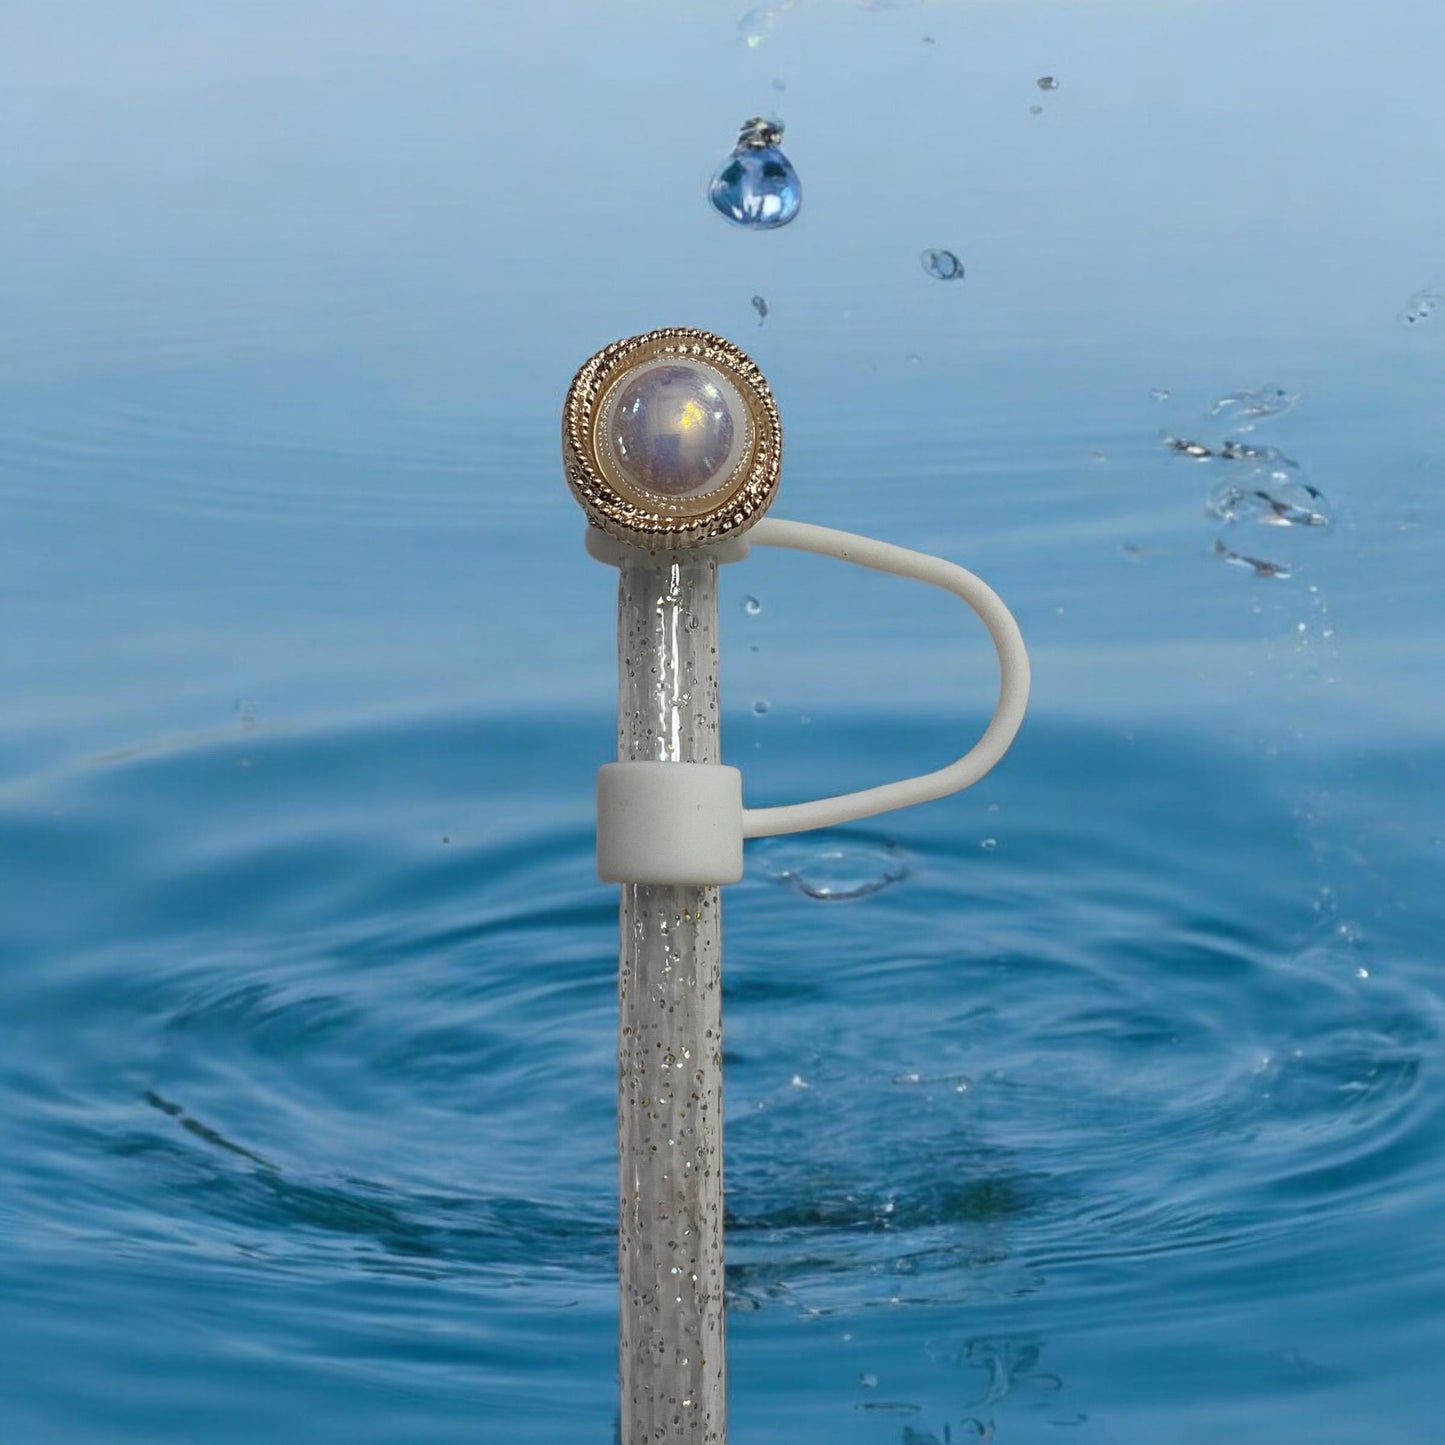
1013, 692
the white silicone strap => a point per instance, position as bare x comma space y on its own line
1013, 690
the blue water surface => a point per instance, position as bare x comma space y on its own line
1103, 1102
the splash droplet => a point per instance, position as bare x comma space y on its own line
756, 186
752, 606
1251, 407
1271, 497
759, 23
1260, 566
1422, 306
942, 265
834, 870
1047, 82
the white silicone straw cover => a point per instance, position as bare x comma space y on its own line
1013, 693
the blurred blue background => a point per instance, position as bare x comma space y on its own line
1110, 1104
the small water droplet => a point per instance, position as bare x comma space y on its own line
942, 265
868, 1382
1186, 448
929, 40
756, 186
1422, 306
755, 27
799, 1082
760, 707
1260, 566
834, 870
1047, 82
752, 606
1250, 407
1036, 110
991, 808
908, 1079
913, 358
761, 307
1160, 393
988, 844
1274, 500
780, 85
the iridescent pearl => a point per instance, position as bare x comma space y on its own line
756, 186
676, 427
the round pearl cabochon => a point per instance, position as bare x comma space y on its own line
676, 428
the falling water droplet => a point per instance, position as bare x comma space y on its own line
1047, 82
761, 307
752, 606
1422, 306
942, 265
760, 707
756, 186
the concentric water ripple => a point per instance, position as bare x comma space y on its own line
346, 1013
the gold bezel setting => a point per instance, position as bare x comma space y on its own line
652, 520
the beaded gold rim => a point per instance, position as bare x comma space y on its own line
647, 519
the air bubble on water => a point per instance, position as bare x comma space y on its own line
1047, 82
1260, 566
942, 265
1251, 407
1272, 497
761, 307
752, 606
834, 869
1422, 306
760, 707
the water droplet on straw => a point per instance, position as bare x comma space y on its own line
942, 265
756, 186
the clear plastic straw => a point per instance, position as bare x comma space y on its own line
669, 1053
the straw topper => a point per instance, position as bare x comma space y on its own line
672, 444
